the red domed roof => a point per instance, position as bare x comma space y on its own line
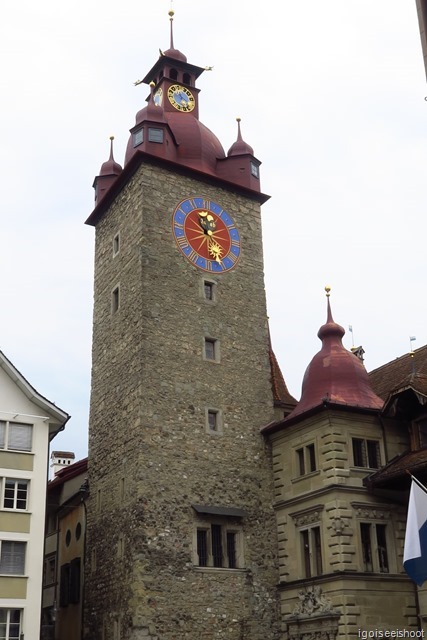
335, 375
175, 53
196, 145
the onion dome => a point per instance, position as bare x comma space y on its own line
172, 52
110, 167
335, 375
240, 147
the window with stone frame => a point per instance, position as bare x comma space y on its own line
219, 545
373, 539
211, 349
311, 552
209, 290
308, 548
366, 453
306, 459
213, 420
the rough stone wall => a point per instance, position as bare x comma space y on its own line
151, 456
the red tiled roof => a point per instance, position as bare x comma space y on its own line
394, 474
407, 370
281, 394
67, 473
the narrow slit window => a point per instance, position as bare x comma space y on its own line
115, 300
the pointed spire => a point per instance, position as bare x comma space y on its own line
111, 167
172, 52
240, 147
171, 15
330, 328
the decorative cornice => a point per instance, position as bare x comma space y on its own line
307, 516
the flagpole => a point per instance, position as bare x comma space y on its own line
420, 484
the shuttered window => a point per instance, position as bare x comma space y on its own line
16, 436
12, 558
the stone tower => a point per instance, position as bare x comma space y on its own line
181, 530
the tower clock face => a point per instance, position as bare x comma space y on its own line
181, 98
206, 235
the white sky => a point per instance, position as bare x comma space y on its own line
331, 96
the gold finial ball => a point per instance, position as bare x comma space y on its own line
152, 84
111, 137
328, 291
171, 13
238, 119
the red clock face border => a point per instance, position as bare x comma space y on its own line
206, 235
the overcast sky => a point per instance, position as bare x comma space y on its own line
331, 96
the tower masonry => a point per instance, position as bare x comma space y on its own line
181, 538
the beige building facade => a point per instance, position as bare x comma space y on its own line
340, 542
28, 422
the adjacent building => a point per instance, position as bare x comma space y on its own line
340, 541
63, 576
28, 422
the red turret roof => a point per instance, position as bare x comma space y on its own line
335, 375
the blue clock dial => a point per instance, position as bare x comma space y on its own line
206, 235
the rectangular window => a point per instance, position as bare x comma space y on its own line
202, 547
15, 494
64, 586
208, 289
49, 570
231, 550
16, 436
374, 547
255, 170
138, 137
306, 459
210, 349
311, 457
301, 462
311, 551
12, 558
10, 624
366, 453
213, 420
155, 135
365, 536
218, 546
74, 589
382, 548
